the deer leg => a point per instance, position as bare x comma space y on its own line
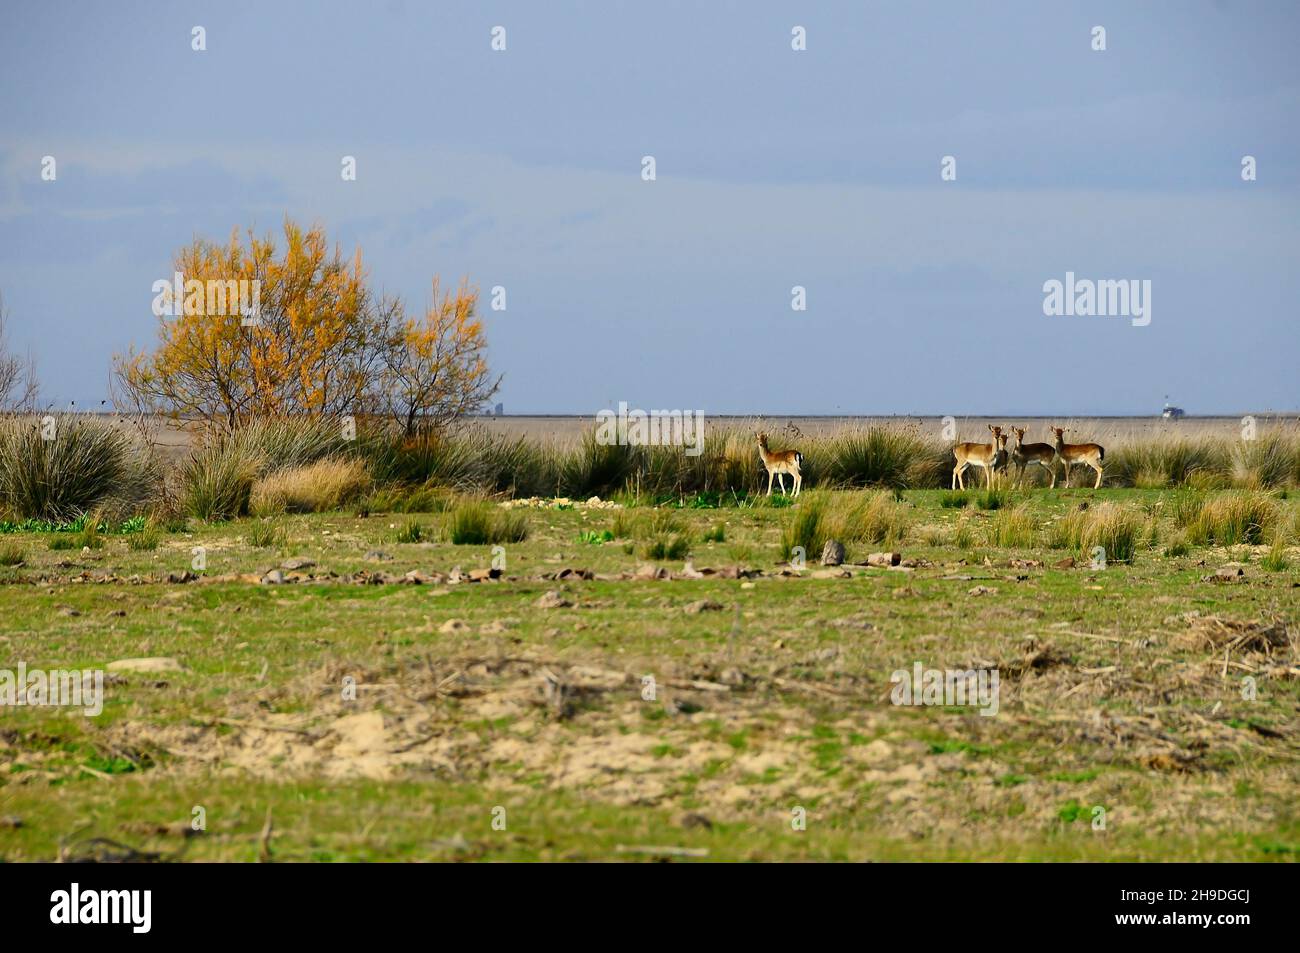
1098, 483
769, 482
1067, 474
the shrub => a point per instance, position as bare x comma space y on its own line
1013, 528
876, 456
409, 532
991, 498
1275, 559
595, 469
88, 464
1115, 528
873, 517
1271, 459
315, 488
1178, 545
676, 548
954, 499
11, 554
1231, 518
144, 539
1165, 461
805, 528
265, 532
477, 523
217, 480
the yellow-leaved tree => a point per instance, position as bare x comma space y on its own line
248, 330
436, 368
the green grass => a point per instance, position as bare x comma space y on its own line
791, 709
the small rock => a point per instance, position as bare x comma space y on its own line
982, 591
158, 664
10, 822
832, 574
1066, 563
703, 605
692, 821
273, 578
884, 559
377, 555
453, 627
181, 577
832, 553
293, 565
69, 611
1225, 574
553, 600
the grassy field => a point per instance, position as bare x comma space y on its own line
511, 718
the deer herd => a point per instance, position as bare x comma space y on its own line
994, 456
991, 457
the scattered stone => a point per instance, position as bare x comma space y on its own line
378, 555
453, 627
553, 600
483, 575
982, 591
832, 553
273, 578
295, 565
703, 605
649, 571
157, 664
696, 821
181, 577
1066, 563
69, 611
1225, 574
10, 822
832, 574
884, 559
118, 613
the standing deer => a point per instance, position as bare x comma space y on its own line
1090, 454
990, 457
1023, 454
780, 463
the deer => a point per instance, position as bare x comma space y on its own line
1090, 454
991, 456
780, 462
1023, 454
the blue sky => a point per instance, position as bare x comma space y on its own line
775, 168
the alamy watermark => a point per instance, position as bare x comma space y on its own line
211, 298
1126, 297
946, 687
639, 428
36, 687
